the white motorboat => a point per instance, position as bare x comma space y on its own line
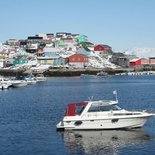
5, 83
40, 78
102, 114
102, 74
30, 80
18, 83
1, 86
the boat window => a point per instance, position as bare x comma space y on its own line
103, 108
79, 109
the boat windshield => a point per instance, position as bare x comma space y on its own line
75, 108
104, 108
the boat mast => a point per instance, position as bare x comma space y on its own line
90, 98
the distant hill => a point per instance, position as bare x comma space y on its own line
141, 52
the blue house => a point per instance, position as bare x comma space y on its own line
84, 52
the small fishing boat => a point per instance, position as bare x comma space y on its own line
102, 114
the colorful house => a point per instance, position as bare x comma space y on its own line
2, 61
50, 51
82, 38
20, 60
53, 60
135, 62
84, 52
78, 60
68, 41
102, 49
45, 42
152, 60
60, 43
21, 52
145, 61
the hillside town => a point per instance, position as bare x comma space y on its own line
43, 52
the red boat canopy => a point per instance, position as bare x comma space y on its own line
71, 109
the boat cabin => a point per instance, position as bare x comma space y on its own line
75, 108
103, 106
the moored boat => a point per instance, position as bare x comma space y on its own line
5, 83
30, 80
1, 86
101, 74
40, 78
19, 83
102, 114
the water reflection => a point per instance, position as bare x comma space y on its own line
102, 142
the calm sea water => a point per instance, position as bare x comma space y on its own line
28, 117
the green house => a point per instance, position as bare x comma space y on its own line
60, 43
21, 52
20, 61
82, 38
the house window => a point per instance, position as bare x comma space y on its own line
78, 59
73, 59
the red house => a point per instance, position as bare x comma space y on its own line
102, 50
152, 61
101, 47
135, 62
78, 60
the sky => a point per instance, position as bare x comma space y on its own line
121, 24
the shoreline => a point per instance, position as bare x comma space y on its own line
60, 72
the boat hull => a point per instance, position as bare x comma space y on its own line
19, 83
103, 124
30, 82
5, 85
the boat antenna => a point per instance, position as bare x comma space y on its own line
90, 98
115, 93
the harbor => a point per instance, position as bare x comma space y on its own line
77, 77
29, 116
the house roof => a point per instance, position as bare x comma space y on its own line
48, 58
134, 60
83, 55
107, 46
51, 49
67, 38
45, 40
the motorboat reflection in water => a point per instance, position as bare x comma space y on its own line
103, 141
102, 114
